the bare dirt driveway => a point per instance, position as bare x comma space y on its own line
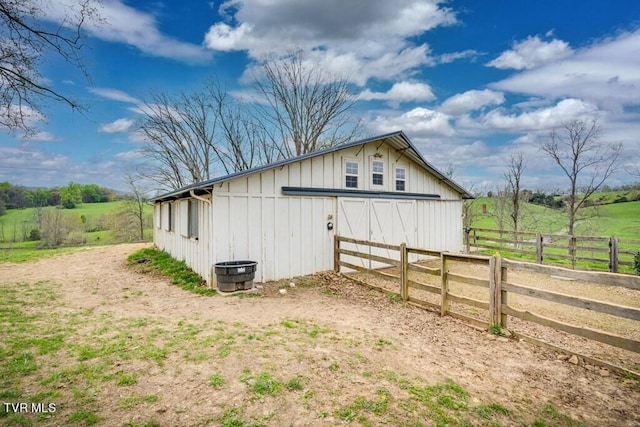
133, 350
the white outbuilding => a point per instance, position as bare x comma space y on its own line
285, 215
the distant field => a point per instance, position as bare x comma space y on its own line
621, 220
88, 209
92, 212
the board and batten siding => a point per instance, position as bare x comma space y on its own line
287, 236
250, 219
177, 242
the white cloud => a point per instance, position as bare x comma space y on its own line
419, 121
530, 53
360, 38
120, 125
114, 95
543, 119
471, 100
401, 92
605, 73
124, 24
41, 136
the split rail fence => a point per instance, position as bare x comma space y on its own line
608, 253
392, 263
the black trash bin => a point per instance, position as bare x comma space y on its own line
235, 275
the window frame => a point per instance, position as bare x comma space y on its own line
193, 219
347, 174
171, 217
397, 180
374, 174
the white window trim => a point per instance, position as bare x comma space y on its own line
374, 159
406, 178
345, 174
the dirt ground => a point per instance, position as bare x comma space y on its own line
359, 331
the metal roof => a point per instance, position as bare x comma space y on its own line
397, 139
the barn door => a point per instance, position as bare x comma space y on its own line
353, 221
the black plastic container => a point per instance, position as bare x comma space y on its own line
235, 275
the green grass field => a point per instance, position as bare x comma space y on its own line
14, 221
621, 220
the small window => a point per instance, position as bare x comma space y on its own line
377, 172
401, 178
193, 219
171, 217
351, 174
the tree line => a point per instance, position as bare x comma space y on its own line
68, 197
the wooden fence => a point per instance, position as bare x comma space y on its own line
495, 285
608, 253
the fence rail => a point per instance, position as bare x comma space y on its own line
605, 252
496, 285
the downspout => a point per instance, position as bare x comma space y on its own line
193, 194
210, 279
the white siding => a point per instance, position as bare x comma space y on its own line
250, 219
287, 236
195, 252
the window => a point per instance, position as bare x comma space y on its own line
401, 178
193, 219
351, 174
157, 215
377, 172
171, 217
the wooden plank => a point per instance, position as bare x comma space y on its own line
469, 280
422, 303
495, 294
424, 287
372, 257
404, 272
601, 278
588, 359
366, 270
368, 285
474, 259
426, 252
426, 270
475, 322
336, 254
368, 243
491, 230
444, 288
585, 303
468, 301
592, 334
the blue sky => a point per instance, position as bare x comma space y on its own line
469, 82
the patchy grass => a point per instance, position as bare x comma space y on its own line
152, 260
99, 368
28, 251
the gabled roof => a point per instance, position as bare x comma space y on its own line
397, 139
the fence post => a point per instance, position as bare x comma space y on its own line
495, 290
503, 295
404, 272
572, 250
444, 290
336, 253
539, 247
467, 243
613, 254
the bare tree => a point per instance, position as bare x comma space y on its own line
25, 39
513, 177
192, 136
578, 152
180, 134
306, 109
134, 207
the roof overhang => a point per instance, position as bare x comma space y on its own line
397, 140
